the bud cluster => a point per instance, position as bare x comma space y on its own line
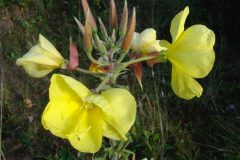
111, 47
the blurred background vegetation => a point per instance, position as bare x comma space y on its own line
167, 127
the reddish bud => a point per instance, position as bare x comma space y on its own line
73, 56
128, 37
88, 35
85, 10
112, 14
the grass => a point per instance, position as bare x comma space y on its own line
166, 127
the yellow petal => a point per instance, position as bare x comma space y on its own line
111, 131
95, 68
48, 46
147, 37
185, 86
177, 24
62, 112
67, 88
38, 62
98, 101
193, 51
135, 41
34, 70
38, 56
152, 47
164, 43
123, 106
60, 117
87, 135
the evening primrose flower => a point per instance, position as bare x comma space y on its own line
41, 59
82, 117
145, 42
191, 54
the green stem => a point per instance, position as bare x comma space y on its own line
121, 57
88, 72
91, 58
138, 60
103, 83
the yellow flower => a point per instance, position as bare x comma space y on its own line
191, 54
82, 117
41, 59
145, 42
95, 68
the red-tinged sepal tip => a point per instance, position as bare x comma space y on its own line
113, 14
152, 62
137, 68
86, 9
88, 46
73, 56
128, 37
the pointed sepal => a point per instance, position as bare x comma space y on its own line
137, 68
80, 26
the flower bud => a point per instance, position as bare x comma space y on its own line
112, 14
128, 37
100, 44
85, 10
113, 36
146, 42
103, 29
41, 59
88, 35
73, 56
88, 43
124, 21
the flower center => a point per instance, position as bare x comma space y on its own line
87, 105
